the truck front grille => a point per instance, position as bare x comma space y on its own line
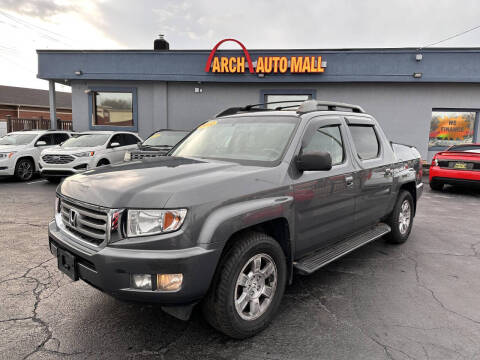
57, 159
87, 222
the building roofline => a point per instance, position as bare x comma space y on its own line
399, 49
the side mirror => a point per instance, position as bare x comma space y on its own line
41, 143
114, 144
318, 161
139, 144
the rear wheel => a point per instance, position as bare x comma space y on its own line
24, 169
401, 219
436, 185
248, 286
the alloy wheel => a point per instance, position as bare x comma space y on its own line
404, 217
255, 287
25, 170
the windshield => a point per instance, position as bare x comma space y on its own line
166, 138
469, 148
86, 140
17, 139
261, 140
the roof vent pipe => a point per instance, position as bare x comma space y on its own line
161, 44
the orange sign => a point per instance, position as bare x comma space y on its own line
264, 64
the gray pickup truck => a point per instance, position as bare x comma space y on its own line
240, 205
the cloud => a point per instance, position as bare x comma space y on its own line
37, 8
288, 24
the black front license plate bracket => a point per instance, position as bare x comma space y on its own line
67, 264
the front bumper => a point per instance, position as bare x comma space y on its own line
109, 269
77, 166
7, 167
452, 176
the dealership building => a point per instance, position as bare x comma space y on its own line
429, 98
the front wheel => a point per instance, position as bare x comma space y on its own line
401, 219
248, 286
24, 169
103, 162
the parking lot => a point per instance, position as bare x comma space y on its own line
419, 300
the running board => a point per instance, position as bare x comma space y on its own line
311, 263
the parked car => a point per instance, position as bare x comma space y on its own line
157, 144
20, 151
243, 202
86, 151
458, 165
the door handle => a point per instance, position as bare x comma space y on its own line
349, 180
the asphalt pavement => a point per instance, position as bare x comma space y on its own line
419, 300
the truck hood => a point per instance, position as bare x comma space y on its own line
69, 150
168, 182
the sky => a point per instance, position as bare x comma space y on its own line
27, 25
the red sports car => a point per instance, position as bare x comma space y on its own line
458, 165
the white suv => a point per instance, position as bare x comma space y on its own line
85, 151
20, 151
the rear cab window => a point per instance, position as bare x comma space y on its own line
366, 141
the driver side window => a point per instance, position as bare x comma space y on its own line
327, 139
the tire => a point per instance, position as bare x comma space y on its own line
24, 169
401, 226
220, 305
103, 162
436, 186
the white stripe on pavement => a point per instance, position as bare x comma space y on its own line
36, 182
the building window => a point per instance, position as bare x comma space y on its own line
278, 98
113, 108
451, 127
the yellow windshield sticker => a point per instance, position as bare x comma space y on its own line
155, 135
208, 124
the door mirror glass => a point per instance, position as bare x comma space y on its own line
114, 144
41, 143
317, 161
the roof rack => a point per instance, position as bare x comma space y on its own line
257, 107
303, 107
313, 105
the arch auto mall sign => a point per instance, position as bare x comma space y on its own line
263, 64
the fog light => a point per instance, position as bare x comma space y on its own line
169, 282
141, 281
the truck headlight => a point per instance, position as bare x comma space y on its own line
151, 222
128, 156
85, 154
